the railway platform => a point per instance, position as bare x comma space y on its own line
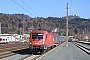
62, 52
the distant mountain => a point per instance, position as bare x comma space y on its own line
71, 17
12, 23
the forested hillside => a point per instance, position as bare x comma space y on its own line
13, 23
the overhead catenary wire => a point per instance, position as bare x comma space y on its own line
29, 7
70, 4
71, 7
23, 7
64, 10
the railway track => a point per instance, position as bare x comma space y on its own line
30, 57
22, 54
84, 47
7, 50
37, 56
34, 56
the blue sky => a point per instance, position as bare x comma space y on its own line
46, 8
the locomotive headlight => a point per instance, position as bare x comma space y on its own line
43, 42
30, 43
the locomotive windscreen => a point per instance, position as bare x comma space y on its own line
37, 36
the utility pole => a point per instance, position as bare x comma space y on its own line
23, 28
67, 25
0, 28
20, 30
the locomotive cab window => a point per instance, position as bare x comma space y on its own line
37, 36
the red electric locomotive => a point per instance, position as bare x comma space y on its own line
41, 40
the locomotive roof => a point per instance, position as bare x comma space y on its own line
39, 31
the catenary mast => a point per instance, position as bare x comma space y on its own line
67, 25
